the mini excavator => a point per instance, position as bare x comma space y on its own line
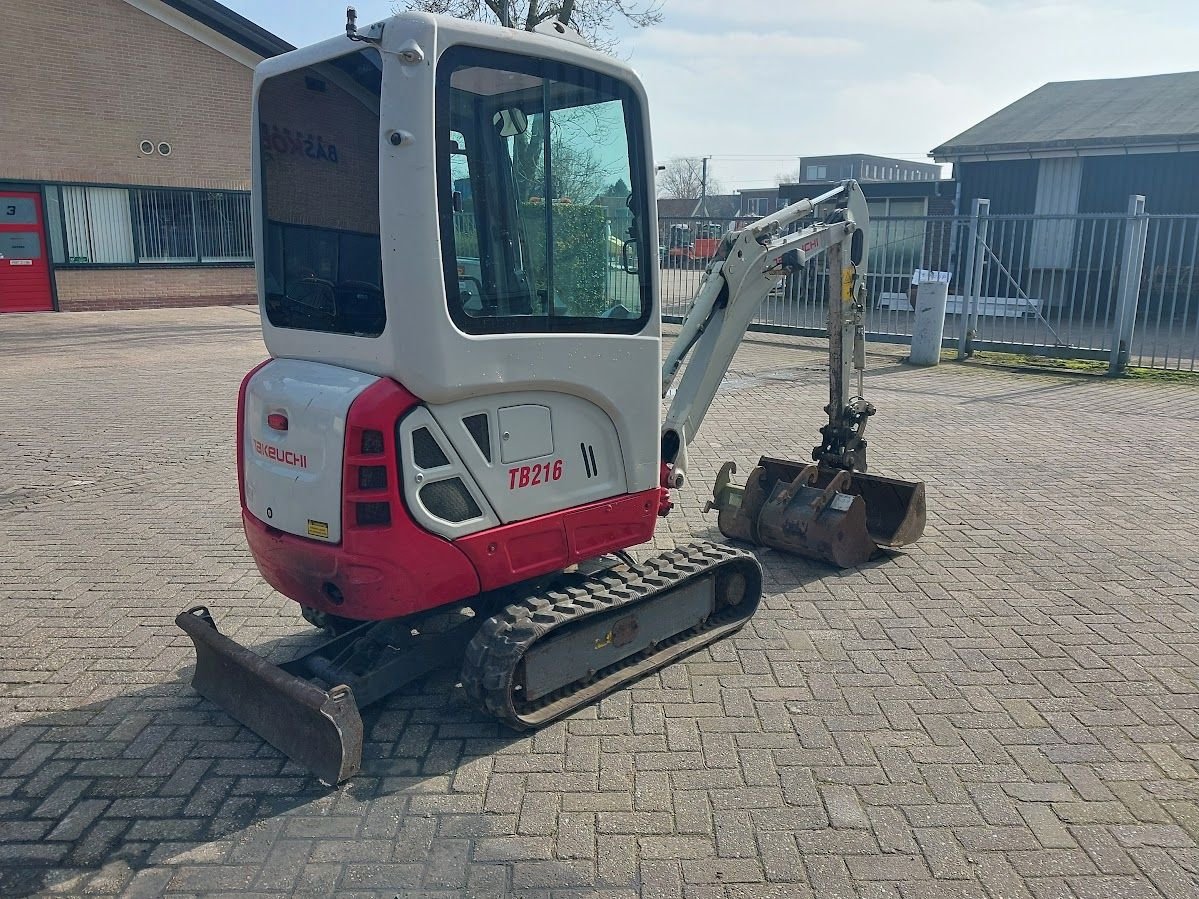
459, 431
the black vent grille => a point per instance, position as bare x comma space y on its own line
372, 477
449, 500
425, 451
476, 426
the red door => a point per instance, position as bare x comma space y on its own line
24, 266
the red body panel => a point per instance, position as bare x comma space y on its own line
525, 549
379, 570
395, 569
241, 433
380, 573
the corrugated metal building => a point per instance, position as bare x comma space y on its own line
864, 167
1085, 146
1076, 147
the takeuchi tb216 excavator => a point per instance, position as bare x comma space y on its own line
459, 431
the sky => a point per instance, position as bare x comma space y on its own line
758, 84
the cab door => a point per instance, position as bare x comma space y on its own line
24, 263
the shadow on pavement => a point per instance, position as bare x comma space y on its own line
163, 777
123, 336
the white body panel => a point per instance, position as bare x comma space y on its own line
293, 477
420, 346
576, 455
418, 478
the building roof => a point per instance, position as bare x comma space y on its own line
715, 206
671, 207
237, 28
718, 206
865, 157
1153, 110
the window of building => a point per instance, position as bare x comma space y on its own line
165, 225
98, 225
223, 226
817, 172
130, 226
759, 206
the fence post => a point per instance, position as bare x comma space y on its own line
1132, 260
979, 211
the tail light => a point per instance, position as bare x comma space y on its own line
372, 442
370, 514
365, 479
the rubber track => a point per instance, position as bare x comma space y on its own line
493, 657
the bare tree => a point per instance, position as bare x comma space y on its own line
683, 179
576, 175
593, 18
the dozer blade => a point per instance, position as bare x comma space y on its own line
831, 515
320, 730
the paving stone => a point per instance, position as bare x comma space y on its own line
1009, 708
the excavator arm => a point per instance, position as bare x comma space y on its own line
746, 268
829, 509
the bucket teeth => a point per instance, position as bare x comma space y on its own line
832, 515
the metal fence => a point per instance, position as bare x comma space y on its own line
1118, 288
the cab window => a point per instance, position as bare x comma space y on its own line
318, 182
541, 196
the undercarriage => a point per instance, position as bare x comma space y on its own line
530, 654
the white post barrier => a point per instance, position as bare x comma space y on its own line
929, 326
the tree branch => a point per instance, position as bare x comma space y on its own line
594, 19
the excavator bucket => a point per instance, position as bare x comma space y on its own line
835, 516
319, 729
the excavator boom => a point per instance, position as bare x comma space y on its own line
829, 509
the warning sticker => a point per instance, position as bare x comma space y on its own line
318, 529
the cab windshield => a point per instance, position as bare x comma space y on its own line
541, 196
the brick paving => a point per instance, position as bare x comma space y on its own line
1010, 709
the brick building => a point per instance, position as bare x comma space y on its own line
125, 154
